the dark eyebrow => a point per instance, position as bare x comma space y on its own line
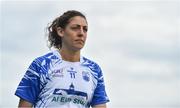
78, 25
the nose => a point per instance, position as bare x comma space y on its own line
81, 32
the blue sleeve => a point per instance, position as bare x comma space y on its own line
100, 96
29, 87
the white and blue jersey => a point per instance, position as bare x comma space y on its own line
53, 82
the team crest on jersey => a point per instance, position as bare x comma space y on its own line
57, 73
86, 76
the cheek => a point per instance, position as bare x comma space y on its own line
85, 37
69, 35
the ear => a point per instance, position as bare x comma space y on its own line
60, 31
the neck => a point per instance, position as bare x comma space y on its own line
71, 56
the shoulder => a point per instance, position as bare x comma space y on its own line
92, 65
46, 60
48, 57
88, 62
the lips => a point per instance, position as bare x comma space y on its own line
79, 40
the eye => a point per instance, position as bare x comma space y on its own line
85, 29
74, 28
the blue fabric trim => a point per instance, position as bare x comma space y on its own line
22, 96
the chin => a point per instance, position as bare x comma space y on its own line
78, 47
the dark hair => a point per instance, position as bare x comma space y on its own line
53, 38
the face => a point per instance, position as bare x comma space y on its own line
75, 33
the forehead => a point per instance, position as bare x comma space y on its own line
78, 20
